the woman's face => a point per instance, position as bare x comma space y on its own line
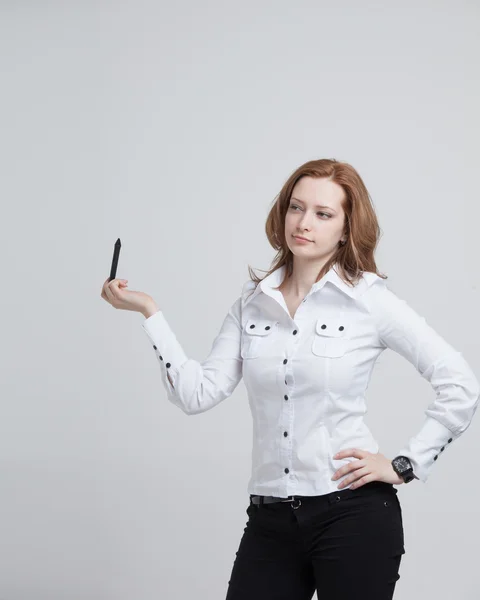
315, 212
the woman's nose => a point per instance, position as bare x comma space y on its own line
305, 221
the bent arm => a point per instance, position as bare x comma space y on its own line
195, 386
457, 390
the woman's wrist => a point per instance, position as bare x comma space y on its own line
149, 310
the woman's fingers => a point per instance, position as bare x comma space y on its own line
109, 294
110, 290
103, 294
115, 292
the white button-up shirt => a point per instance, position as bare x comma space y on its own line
306, 377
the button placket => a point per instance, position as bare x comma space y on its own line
287, 448
285, 397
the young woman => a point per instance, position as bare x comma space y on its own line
323, 512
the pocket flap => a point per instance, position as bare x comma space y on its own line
260, 326
331, 327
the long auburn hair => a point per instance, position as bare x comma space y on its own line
361, 224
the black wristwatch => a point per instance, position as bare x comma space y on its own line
403, 467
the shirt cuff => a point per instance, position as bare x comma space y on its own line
426, 447
164, 342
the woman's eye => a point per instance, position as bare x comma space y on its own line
293, 206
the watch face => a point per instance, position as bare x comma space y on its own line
402, 464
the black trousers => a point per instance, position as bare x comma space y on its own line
345, 545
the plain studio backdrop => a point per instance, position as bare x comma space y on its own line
173, 126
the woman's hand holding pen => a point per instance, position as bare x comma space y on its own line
116, 294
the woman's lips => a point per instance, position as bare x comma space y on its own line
301, 240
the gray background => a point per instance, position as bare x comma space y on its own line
173, 126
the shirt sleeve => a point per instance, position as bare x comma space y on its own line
198, 386
456, 387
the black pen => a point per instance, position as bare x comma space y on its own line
116, 253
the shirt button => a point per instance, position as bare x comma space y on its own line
324, 326
451, 439
285, 361
285, 433
435, 457
154, 347
294, 332
267, 327
160, 357
442, 448
286, 397
168, 365
287, 471
252, 326
341, 328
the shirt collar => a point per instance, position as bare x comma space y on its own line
273, 280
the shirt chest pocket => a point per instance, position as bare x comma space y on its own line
258, 337
331, 336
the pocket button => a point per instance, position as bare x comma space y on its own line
330, 337
257, 336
